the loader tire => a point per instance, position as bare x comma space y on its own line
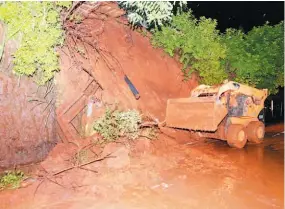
255, 131
236, 136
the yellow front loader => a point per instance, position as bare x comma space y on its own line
227, 112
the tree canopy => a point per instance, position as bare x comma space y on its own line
198, 44
150, 14
38, 27
255, 58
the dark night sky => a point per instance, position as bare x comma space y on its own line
238, 13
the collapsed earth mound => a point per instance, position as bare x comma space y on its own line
99, 51
104, 47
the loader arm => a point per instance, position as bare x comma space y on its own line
257, 94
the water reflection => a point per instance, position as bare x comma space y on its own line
260, 167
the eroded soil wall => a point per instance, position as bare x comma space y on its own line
117, 51
27, 125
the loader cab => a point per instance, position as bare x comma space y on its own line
234, 102
236, 105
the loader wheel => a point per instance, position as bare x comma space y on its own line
236, 136
255, 131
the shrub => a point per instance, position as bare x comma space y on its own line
114, 124
11, 179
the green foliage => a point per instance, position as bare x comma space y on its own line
198, 43
114, 124
63, 4
11, 179
257, 58
38, 27
149, 13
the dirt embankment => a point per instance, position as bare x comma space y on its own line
117, 50
27, 125
28, 128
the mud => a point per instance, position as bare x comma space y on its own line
206, 174
27, 125
27, 129
155, 75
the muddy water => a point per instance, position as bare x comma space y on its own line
256, 178
211, 175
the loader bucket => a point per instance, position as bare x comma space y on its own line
195, 113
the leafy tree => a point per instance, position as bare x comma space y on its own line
198, 43
257, 58
37, 26
150, 13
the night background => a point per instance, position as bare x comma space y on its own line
245, 15
239, 14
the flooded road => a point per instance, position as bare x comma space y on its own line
211, 175
257, 177
204, 175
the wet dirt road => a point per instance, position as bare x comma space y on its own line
207, 175
213, 176
257, 177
